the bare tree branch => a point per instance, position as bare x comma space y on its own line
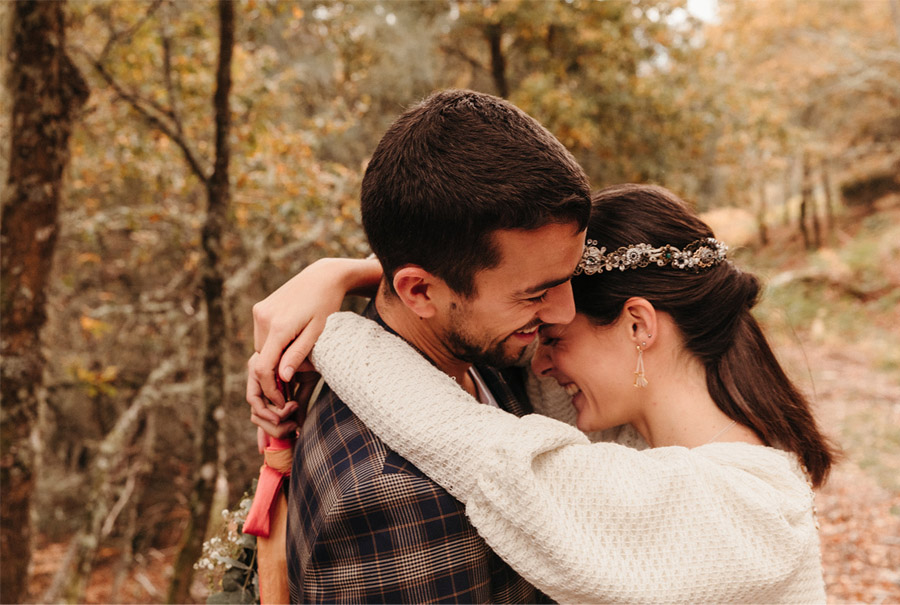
241, 278
459, 53
116, 35
869, 79
89, 535
120, 504
138, 104
166, 37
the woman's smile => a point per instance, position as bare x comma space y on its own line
571, 388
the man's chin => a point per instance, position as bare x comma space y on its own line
505, 354
526, 354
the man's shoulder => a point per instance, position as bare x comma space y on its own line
336, 442
338, 451
356, 502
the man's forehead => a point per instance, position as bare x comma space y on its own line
546, 249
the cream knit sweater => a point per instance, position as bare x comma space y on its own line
587, 522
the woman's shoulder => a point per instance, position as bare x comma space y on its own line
760, 469
750, 456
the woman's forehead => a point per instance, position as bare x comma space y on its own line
552, 330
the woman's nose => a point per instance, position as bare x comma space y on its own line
541, 363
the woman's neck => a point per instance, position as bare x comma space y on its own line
679, 411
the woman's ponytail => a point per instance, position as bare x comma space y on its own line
712, 309
749, 385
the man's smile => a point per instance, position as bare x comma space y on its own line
526, 335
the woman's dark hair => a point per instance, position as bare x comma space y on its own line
711, 309
454, 169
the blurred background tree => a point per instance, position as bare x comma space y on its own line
46, 90
778, 117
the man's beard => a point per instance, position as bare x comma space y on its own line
467, 348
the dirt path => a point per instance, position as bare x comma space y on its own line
860, 533
859, 507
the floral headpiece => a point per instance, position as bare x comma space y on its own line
696, 256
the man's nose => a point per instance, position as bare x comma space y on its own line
559, 306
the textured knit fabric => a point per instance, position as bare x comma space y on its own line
366, 526
587, 523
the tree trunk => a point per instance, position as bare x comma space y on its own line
805, 202
213, 361
140, 472
816, 222
895, 15
46, 90
494, 35
787, 193
762, 209
813, 209
829, 198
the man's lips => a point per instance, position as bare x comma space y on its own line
526, 334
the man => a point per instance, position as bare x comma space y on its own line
477, 215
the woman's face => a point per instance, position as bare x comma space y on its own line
595, 364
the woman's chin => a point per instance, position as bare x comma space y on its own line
584, 423
587, 423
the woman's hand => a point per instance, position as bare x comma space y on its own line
282, 422
287, 323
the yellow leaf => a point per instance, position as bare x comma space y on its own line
93, 327
88, 257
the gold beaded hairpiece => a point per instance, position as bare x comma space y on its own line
694, 257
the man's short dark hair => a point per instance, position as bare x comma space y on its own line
453, 170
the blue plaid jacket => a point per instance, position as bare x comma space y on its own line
366, 526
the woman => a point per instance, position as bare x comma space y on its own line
719, 508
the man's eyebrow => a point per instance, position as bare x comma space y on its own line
546, 285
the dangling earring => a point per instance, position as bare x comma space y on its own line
640, 380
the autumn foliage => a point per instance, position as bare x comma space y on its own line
145, 220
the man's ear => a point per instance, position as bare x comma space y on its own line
642, 321
418, 289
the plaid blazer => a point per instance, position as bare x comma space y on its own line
366, 526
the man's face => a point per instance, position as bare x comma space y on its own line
528, 288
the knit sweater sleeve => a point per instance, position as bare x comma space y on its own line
585, 522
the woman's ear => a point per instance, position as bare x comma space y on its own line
642, 321
416, 288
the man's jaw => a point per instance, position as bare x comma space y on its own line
514, 350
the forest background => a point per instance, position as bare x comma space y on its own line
168, 163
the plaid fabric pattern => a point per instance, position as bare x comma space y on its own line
366, 526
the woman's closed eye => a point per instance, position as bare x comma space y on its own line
548, 341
